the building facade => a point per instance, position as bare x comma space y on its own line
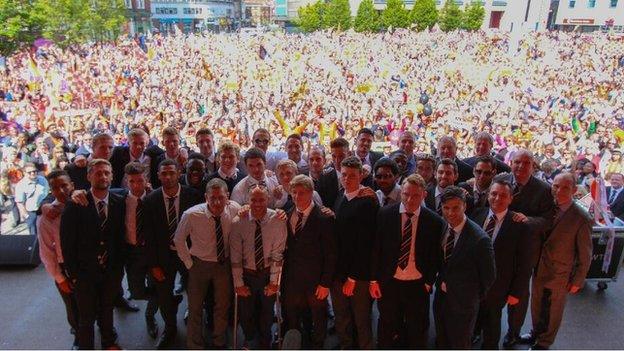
139, 16
590, 15
194, 15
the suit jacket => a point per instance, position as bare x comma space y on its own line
464, 170
387, 247
501, 167
470, 271
617, 206
119, 160
157, 240
154, 152
374, 156
310, 257
430, 200
512, 256
78, 175
328, 186
81, 237
231, 183
483, 202
567, 251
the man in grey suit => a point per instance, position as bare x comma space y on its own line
563, 264
467, 272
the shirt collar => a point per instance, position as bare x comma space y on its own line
499, 216
308, 209
231, 175
460, 227
176, 195
564, 207
264, 218
402, 209
105, 199
350, 196
438, 191
140, 197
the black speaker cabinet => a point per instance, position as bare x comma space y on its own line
19, 250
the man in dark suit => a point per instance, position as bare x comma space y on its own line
163, 208
467, 272
92, 240
533, 203
363, 143
173, 151
615, 195
405, 261
310, 261
484, 172
134, 152
446, 175
512, 256
195, 176
483, 147
228, 154
205, 143
447, 148
328, 185
102, 145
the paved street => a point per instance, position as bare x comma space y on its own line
33, 317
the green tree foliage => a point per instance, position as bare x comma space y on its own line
424, 14
337, 15
367, 18
20, 25
311, 17
395, 15
450, 16
473, 15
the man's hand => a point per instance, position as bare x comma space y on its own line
66, 287
280, 214
158, 274
269, 173
367, 192
366, 170
270, 289
519, 217
321, 292
428, 288
512, 300
278, 192
243, 291
374, 290
327, 211
348, 287
50, 211
573, 289
443, 286
244, 210
80, 197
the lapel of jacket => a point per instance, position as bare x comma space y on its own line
507, 220
566, 218
397, 225
461, 242
92, 211
161, 210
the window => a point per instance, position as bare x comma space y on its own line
614, 3
591, 4
140, 4
128, 4
572, 3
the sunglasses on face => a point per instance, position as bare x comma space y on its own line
486, 173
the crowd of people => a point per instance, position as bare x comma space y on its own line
307, 169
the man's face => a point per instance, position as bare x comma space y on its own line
401, 161
412, 196
316, 161
406, 143
255, 167
522, 167
385, 179
302, 196
138, 144
258, 202
484, 173
285, 175
86, 139
205, 144
363, 144
425, 169
137, 184
61, 188
447, 149
499, 198
483, 147
168, 176
350, 178
195, 169
216, 199
100, 177
293, 147
172, 144
616, 180
446, 175
104, 149
453, 211
338, 154
228, 159
563, 189
262, 140
31, 172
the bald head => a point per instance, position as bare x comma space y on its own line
564, 188
522, 165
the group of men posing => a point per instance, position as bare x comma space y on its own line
284, 224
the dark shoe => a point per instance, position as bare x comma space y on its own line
152, 327
115, 335
165, 341
75, 345
510, 340
179, 290
527, 339
177, 299
476, 338
125, 305
538, 347
186, 314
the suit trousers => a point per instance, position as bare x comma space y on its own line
453, 328
71, 308
297, 303
350, 311
256, 311
94, 298
403, 314
202, 275
140, 282
489, 321
164, 291
547, 306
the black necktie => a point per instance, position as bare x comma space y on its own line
103, 251
450, 245
406, 241
299, 224
172, 218
386, 201
259, 254
219, 237
517, 189
289, 204
612, 196
489, 229
101, 209
140, 237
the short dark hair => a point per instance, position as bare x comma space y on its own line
254, 152
447, 161
505, 183
261, 130
339, 142
97, 162
452, 192
294, 136
352, 162
487, 159
134, 168
196, 156
203, 131
57, 174
397, 153
388, 163
216, 183
167, 162
365, 131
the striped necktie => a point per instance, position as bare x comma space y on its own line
406, 241
299, 224
219, 238
450, 245
259, 254
101, 209
172, 218
140, 236
489, 228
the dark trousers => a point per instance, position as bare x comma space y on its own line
403, 314
164, 291
71, 308
140, 281
297, 305
94, 298
453, 328
516, 314
489, 322
256, 311
350, 311
31, 222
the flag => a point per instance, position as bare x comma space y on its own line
599, 195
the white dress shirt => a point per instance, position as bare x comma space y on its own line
48, 231
176, 202
96, 201
410, 272
240, 193
499, 221
457, 230
306, 213
131, 205
393, 197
